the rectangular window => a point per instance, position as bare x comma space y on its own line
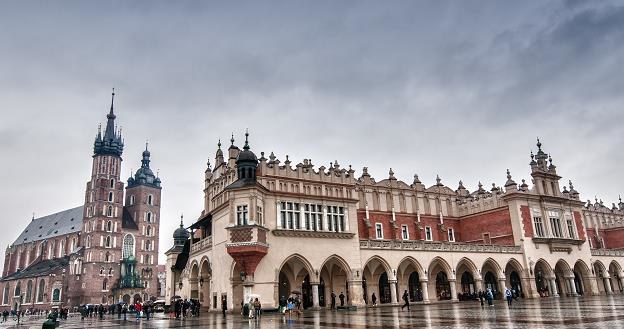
571, 228
539, 226
313, 216
259, 215
378, 231
241, 215
428, 235
336, 218
290, 216
555, 226
404, 232
451, 235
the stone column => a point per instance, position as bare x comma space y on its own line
593, 286
553, 288
607, 284
573, 291
621, 279
425, 291
356, 293
453, 291
393, 292
501, 286
479, 284
315, 296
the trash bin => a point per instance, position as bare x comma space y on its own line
49, 324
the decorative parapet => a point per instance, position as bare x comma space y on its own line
202, 245
313, 234
607, 252
437, 246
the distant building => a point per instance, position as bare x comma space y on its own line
101, 252
272, 231
162, 281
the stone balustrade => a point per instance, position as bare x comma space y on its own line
202, 245
607, 252
437, 246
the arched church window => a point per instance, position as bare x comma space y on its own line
150, 200
132, 200
112, 183
110, 196
109, 226
128, 246
40, 291
149, 230
108, 242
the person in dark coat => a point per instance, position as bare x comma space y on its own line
333, 300
223, 305
342, 298
406, 300
374, 299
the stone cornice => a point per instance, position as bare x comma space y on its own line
313, 234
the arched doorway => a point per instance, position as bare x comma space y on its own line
443, 287
513, 269
563, 279
489, 282
137, 298
335, 275
578, 283
601, 276
377, 281
415, 293
205, 276
543, 273
615, 275
384, 289
467, 285
126, 299
193, 280
294, 281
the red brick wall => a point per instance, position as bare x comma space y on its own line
527, 224
497, 222
406, 219
613, 238
579, 225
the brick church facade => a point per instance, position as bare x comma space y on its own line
103, 251
273, 229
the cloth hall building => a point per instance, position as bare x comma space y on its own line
103, 251
271, 229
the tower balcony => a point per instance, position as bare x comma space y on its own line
247, 244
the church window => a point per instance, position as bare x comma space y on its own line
110, 196
109, 212
112, 183
5, 295
29, 287
56, 295
128, 246
148, 217
40, 291
150, 200
18, 289
149, 230
242, 215
105, 284
88, 242
147, 245
132, 200
109, 226
108, 242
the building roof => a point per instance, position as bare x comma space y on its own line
41, 268
61, 223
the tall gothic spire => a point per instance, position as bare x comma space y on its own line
110, 143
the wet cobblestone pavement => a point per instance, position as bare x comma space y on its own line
581, 312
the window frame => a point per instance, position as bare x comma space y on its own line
379, 231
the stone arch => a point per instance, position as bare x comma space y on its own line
193, 279
377, 277
409, 276
582, 275
514, 274
466, 278
492, 277
615, 275
493, 264
543, 274
439, 275
205, 275
466, 263
294, 276
563, 278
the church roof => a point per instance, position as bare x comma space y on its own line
41, 268
61, 223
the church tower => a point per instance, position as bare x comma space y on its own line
103, 213
141, 224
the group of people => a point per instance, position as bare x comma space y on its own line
333, 299
183, 308
252, 309
145, 309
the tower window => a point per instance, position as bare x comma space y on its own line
108, 242
112, 183
241, 215
148, 217
109, 211
150, 200
131, 200
149, 230
109, 226
110, 196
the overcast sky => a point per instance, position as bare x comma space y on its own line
460, 89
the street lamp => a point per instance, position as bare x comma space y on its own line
201, 281
243, 275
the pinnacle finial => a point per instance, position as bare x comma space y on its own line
508, 174
232, 139
620, 198
246, 147
112, 100
219, 144
146, 143
182, 220
539, 144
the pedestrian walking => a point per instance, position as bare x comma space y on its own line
333, 300
223, 305
374, 299
342, 299
509, 296
406, 300
257, 307
490, 296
